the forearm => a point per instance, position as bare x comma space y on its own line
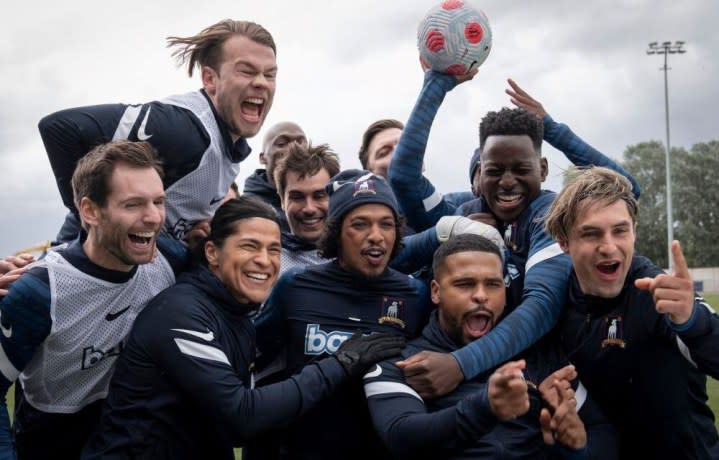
413, 430
580, 153
700, 335
415, 193
417, 252
68, 135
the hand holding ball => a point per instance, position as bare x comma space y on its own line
454, 37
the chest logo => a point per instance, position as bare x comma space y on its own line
318, 341
392, 311
614, 332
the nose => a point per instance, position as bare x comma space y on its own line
507, 180
260, 81
607, 245
154, 214
310, 206
480, 294
375, 235
262, 257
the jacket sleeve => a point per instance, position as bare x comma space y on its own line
562, 138
201, 369
545, 290
406, 427
698, 338
420, 202
417, 251
25, 323
69, 134
175, 132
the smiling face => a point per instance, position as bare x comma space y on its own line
248, 262
470, 294
511, 175
243, 88
305, 203
381, 149
601, 245
367, 237
122, 233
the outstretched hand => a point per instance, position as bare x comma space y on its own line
673, 294
431, 374
358, 353
507, 391
523, 100
564, 425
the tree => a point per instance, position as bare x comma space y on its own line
695, 198
697, 203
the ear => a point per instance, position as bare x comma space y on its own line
211, 254
209, 79
544, 167
434, 290
564, 245
263, 159
89, 212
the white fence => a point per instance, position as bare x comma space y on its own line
706, 280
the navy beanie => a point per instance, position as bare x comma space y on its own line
355, 187
474, 164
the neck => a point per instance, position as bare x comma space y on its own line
101, 256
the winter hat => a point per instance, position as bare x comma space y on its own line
355, 187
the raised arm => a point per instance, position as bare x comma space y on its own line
420, 202
561, 137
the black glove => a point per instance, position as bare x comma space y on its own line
358, 353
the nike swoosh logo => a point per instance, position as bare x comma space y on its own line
141, 134
215, 200
112, 316
6, 332
376, 372
208, 336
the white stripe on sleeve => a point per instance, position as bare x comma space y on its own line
199, 350
381, 388
553, 250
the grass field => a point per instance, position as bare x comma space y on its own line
712, 385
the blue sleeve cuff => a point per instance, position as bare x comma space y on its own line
685, 326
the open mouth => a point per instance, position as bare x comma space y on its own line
509, 200
374, 256
311, 221
252, 108
608, 268
141, 238
258, 276
478, 323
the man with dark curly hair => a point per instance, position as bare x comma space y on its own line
312, 310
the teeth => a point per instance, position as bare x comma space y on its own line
258, 276
375, 253
144, 234
509, 198
255, 100
312, 221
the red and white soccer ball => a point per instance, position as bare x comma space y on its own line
454, 37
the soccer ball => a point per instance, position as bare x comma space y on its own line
454, 37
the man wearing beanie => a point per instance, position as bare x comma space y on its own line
314, 309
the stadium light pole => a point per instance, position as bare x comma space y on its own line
667, 48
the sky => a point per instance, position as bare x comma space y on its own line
345, 64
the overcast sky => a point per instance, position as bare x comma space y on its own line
345, 64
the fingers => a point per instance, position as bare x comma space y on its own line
510, 371
645, 284
681, 269
411, 361
545, 422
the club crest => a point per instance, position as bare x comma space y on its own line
362, 187
614, 332
392, 311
